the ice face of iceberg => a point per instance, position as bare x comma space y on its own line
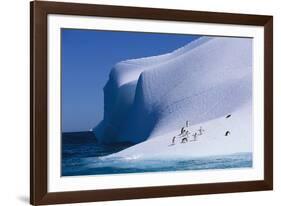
204, 80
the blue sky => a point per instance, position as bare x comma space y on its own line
87, 58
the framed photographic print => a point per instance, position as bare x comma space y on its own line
131, 102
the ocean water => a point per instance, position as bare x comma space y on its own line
81, 155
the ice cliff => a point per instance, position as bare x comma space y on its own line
201, 82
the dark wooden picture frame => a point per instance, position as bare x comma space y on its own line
39, 194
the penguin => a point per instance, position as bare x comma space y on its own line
227, 133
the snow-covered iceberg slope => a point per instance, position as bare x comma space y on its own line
148, 100
213, 141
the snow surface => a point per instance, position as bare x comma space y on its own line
148, 100
212, 142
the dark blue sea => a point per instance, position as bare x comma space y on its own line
81, 156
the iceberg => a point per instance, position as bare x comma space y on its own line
148, 100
